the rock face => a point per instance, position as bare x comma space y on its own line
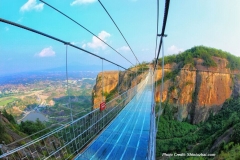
195, 91
198, 91
212, 90
105, 83
113, 84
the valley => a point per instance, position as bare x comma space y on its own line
47, 99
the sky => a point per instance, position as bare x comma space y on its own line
212, 23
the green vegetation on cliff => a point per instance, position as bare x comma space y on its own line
204, 53
10, 130
219, 134
30, 127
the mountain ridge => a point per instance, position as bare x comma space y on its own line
197, 82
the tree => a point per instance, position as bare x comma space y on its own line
2, 131
236, 134
30, 127
9, 117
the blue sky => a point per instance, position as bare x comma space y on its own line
213, 23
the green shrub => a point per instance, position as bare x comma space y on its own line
205, 53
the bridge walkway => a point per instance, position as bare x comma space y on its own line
127, 136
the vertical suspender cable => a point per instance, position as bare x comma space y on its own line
136, 72
69, 101
155, 76
167, 2
56, 39
118, 29
126, 79
157, 28
162, 85
85, 29
118, 80
102, 81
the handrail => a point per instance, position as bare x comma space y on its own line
70, 124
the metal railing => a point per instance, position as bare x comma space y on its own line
68, 140
152, 134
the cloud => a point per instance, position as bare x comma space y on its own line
174, 49
20, 20
80, 2
47, 52
84, 46
7, 29
96, 43
32, 5
75, 43
123, 49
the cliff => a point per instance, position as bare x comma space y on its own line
196, 82
8, 131
196, 90
110, 84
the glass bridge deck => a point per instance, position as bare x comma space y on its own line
127, 136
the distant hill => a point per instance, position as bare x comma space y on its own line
30, 77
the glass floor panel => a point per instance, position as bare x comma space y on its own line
127, 136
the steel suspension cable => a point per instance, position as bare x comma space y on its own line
57, 39
156, 76
157, 28
102, 81
118, 29
86, 30
167, 2
162, 85
118, 79
69, 100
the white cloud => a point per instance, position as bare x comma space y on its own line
123, 49
20, 19
75, 43
84, 46
174, 49
31, 5
80, 2
96, 43
47, 52
7, 29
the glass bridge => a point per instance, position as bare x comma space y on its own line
128, 135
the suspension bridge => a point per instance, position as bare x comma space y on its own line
124, 129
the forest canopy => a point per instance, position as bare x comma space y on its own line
205, 53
